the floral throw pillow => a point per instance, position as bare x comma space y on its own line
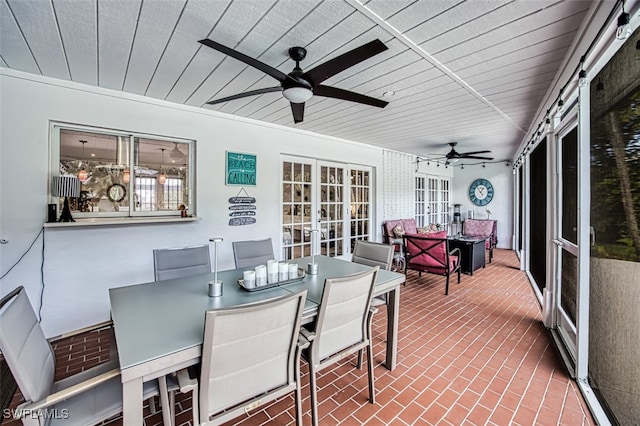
398, 231
428, 229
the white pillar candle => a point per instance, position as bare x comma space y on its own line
283, 271
293, 270
249, 279
272, 271
261, 275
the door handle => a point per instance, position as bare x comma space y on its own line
558, 242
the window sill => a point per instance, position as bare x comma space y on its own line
119, 221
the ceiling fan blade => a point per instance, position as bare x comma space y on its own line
340, 63
474, 152
473, 157
298, 112
245, 94
267, 69
346, 95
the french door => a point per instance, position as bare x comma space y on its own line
432, 200
326, 207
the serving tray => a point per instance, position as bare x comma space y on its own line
301, 275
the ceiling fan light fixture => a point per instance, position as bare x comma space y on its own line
454, 160
297, 95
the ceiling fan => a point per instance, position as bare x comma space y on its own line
298, 86
454, 155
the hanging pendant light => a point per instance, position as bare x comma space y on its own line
126, 176
582, 75
83, 175
162, 178
175, 153
624, 29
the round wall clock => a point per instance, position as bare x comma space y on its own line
116, 192
481, 192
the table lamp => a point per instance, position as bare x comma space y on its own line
312, 268
215, 286
65, 186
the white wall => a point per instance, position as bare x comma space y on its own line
81, 264
501, 207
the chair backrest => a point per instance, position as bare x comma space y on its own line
179, 262
427, 249
343, 311
373, 254
26, 351
249, 350
478, 227
248, 254
390, 227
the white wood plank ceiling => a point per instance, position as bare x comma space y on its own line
470, 71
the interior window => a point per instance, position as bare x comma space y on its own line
124, 174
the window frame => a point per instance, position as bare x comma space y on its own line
134, 137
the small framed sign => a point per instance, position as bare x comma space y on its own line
240, 169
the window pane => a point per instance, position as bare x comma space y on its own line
99, 161
161, 171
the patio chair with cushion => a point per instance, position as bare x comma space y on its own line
430, 253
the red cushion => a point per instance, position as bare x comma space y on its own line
435, 267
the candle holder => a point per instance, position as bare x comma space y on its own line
215, 286
312, 268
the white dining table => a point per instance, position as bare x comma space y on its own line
159, 325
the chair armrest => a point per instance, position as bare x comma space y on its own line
67, 393
308, 335
185, 382
303, 343
455, 250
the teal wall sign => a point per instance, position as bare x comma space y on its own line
240, 169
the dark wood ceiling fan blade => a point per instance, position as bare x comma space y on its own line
340, 63
346, 95
298, 112
245, 94
473, 157
474, 153
267, 69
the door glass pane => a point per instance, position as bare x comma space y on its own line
569, 177
296, 210
359, 207
432, 200
420, 201
331, 235
538, 217
569, 284
444, 204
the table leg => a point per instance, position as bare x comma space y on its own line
132, 402
393, 317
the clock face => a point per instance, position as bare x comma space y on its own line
481, 192
116, 192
